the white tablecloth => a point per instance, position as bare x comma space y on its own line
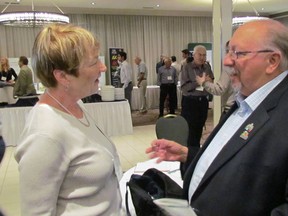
6, 95
170, 168
152, 97
114, 118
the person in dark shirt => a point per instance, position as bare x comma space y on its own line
195, 103
6, 72
160, 63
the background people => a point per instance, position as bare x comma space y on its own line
194, 100
185, 55
176, 65
242, 167
126, 76
160, 63
67, 166
167, 80
223, 87
142, 83
24, 84
7, 74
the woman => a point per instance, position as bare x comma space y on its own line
67, 165
6, 72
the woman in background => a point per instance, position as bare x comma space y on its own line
67, 165
6, 72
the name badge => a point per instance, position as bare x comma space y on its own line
169, 77
200, 88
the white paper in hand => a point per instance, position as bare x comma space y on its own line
175, 207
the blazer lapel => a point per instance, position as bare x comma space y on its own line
249, 128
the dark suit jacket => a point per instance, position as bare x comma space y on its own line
248, 177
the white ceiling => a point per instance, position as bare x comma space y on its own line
145, 7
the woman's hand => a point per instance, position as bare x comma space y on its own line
167, 150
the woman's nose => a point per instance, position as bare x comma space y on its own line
102, 67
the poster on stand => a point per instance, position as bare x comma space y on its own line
114, 66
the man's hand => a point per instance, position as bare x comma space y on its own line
167, 150
201, 80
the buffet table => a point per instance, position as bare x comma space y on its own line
152, 97
114, 118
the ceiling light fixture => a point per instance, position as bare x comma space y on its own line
237, 21
31, 18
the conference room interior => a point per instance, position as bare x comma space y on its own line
144, 36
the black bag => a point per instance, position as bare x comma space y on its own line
153, 184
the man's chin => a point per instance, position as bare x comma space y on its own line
237, 87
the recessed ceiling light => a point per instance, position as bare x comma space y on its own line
93, 3
158, 5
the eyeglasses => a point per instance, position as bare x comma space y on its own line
236, 54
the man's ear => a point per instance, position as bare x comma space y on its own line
273, 62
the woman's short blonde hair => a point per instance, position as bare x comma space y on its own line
60, 46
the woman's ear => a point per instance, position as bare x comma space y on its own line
273, 62
60, 76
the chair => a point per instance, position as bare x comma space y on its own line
173, 127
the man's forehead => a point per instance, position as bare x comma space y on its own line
200, 51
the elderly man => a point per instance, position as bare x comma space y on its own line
141, 83
223, 87
242, 167
194, 101
167, 79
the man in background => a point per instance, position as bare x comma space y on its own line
160, 63
24, 85
126, 76
167, 80
141, 83
24, 88
194, 101
224, 87
176, 65
185, 55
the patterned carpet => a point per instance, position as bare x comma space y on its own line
148, 118
151, 117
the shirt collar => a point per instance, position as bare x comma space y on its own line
250, 103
